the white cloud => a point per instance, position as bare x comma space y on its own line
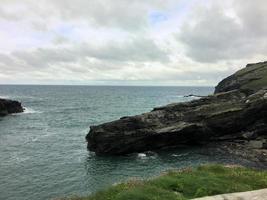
129, 42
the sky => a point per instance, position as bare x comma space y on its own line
129, 42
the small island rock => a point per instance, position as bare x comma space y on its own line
9, 106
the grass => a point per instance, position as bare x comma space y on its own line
252, 68
257, 84
185, 184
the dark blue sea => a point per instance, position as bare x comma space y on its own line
43, 151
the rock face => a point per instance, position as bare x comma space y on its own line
9, 107
249, 79
236, 112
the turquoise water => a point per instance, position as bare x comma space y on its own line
43, 151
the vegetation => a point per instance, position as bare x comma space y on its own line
186, 184
257, 84
256, 74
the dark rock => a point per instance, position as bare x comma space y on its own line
238, 106
9, 107
242, 151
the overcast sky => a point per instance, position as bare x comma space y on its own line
129, 42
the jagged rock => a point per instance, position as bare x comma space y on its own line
9, 106
239, 105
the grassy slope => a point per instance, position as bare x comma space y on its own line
258, 84
258, 71
186, 184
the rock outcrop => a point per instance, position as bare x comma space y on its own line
237, 111
249, 80
9, 106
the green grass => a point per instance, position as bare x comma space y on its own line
186, 184
255, 71
252, 68
257, 84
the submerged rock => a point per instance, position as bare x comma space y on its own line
237, 111
9, 106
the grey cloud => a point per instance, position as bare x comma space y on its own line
217, 36
125, 14
121, 13
6, 15
6, 60
43, 57
60, 40
135, 50
55, 43
253, 16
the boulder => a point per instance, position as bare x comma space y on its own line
9, 106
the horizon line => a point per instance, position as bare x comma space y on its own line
26, 84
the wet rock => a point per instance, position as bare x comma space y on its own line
9, 107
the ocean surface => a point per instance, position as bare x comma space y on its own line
43, 151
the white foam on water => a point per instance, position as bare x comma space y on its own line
4, 97
30, 111
176, 96
141, 155
180, 155
147, 155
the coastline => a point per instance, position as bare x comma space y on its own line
233, 117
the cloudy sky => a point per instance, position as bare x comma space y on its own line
129, 42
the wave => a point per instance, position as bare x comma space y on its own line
146, 155
28, 111
31, 111
180, 155
4, 97
141, 155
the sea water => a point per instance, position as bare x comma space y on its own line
43, 151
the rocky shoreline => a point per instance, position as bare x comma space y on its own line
9, 106
235, 114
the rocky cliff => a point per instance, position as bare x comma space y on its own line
9, 107
237, 111
249, 79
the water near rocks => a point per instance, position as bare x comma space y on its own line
43, 151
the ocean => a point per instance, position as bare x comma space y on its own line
43, 151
